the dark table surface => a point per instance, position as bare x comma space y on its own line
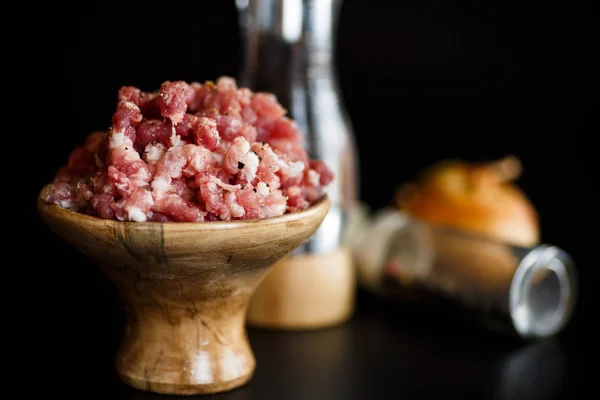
387, 350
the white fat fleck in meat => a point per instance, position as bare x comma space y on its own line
153, 152
239, 159
161, 184
136, 206
218, 158
108, 188
226, 82
123, 186
85, 191
235, 208
217, 182
117, 140
141, 177
196, 162
175, 139
291, 169
313, 177
212, 186
274, 210
242, 144
135, 214
65, 203
131, 105
250, 161
262, 189
120, 149
273, 205
177, 161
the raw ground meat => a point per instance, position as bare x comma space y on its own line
191, 152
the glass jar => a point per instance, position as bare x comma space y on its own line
288, 49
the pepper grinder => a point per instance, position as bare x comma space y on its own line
525, 291
287, 49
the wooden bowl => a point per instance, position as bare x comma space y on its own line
185, 289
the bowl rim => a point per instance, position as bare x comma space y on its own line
324, 202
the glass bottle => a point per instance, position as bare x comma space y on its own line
530, 292
287, 49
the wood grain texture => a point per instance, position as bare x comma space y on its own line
185, 288
308, 291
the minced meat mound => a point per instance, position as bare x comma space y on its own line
191, 152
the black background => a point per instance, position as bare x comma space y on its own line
430, 79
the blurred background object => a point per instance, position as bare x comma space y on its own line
477, 197
287, 49
529, 291
463, 232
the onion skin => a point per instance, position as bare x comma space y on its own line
479, 198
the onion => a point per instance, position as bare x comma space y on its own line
479, 198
